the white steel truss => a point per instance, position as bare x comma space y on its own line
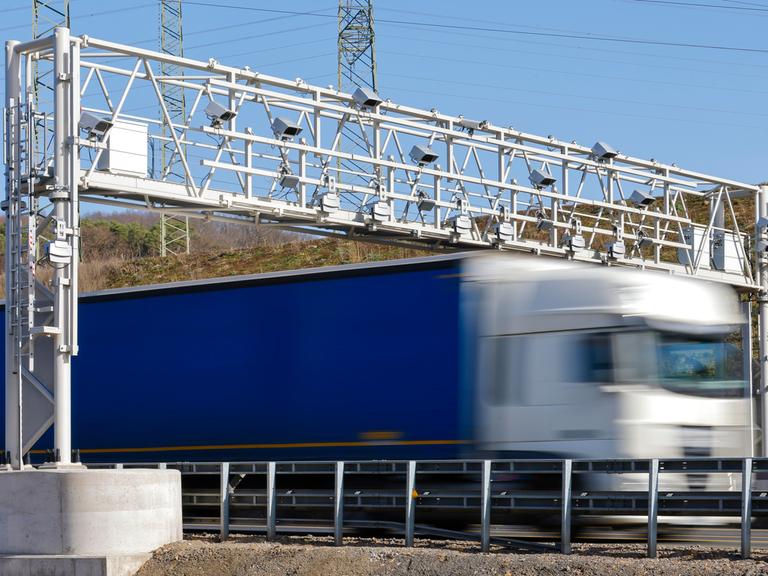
258, 149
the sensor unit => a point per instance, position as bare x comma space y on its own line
604, 151
540, 179
218, 114
423, 155
364, 97
285, 129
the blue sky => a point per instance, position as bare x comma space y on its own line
513, 62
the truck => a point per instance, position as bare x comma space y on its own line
441, 357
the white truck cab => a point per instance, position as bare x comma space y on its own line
583, 361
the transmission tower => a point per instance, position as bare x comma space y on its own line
357, 47
174, 230
46, 16
357, 62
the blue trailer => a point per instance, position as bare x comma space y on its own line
428, 358
350, 362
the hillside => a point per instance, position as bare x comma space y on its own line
123, 249
116, 273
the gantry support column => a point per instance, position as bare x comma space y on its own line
761, 258
12, 134
64, 198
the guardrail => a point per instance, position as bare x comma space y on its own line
470, 489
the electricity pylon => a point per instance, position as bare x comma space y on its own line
174, 230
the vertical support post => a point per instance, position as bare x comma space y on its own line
303, 175
746, 354
248, 152
338, 505
410, 503
62, 279
436, 192
762, 310
746, 508
653, 505
12, 135
224, 494
485, 515
271, 501
565, 515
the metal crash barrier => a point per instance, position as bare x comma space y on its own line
477, 495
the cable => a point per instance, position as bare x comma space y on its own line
571, 72
581, 36
577, 58
569, 108
581, 96
91, 15
251, 37
699, 5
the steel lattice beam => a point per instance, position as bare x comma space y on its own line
480, 192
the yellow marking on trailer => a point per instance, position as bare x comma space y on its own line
379, 435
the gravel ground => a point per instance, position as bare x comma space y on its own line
316, 556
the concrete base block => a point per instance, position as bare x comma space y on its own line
88, 513
72, 565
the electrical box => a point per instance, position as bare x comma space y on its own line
727, 255
126, 151
696, 238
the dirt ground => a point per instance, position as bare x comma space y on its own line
316, 556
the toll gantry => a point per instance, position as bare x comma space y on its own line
262, 150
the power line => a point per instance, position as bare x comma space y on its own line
580, 58
472, 97
573, 36
573, 72
584, 97
700, 5
84, 16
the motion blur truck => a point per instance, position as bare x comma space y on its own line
427, 358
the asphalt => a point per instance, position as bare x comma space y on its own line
715, 536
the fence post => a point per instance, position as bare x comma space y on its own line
653, 505
338, 505
271, 502
224, 501
485, 514
746, 508
410, 503
565, 517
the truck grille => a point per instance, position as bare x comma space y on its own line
696, 443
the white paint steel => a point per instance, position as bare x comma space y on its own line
12, 135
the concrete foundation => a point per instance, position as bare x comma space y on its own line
72, 565
86, 518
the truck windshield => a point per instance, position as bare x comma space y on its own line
697, 366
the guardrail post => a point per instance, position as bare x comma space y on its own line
485, 514
746, 508
410, 503
565, 517
271, 501
338, 505
224, 501
653, 505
